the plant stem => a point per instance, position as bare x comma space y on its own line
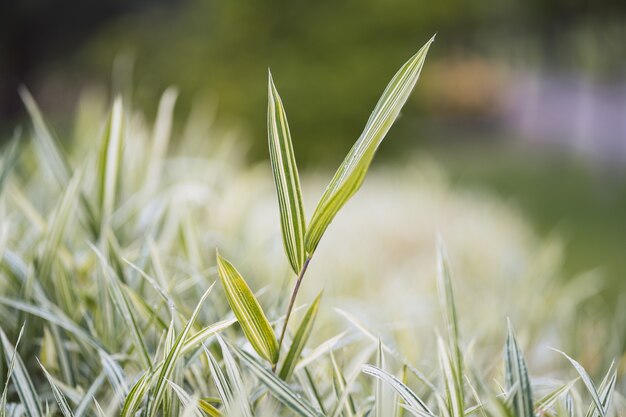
292, 301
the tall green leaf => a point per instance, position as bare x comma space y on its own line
448, 305
351, 172
286, 178
300, 339
109, 161
516, 375
248, 311
22, 382
156, 396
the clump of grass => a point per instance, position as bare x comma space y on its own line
109, 304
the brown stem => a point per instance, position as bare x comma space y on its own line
292, 301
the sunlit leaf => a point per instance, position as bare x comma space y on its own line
299, 340
351, 172
286, 178
248, 311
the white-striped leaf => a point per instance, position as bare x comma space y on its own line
248, 311
453, 388
279, 389
448, 305
156, 396
22, 382
286, 178
416, 406
109, 160
11, 363
351, 172
588, 383
300, 339
516, 374
58, 395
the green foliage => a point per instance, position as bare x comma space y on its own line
108, 305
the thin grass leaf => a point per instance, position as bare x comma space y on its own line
170, 338
11, 362
516, 374
58, 395
136, 395
279, 389
454, 391
47, 145
115, 375
351, 172
186, 399
415, 405
21, 380
548, 400
161, 137
9, 158
587, 381
605, 392
286, 179
89, 396
203, 334
123, 305
52, 155
314, 390
55, 317
222, 384
57, 225
109, 161
248, 311
448, 306
209, 408
342, 390
379, 392
170, 361
236, 382
299, 341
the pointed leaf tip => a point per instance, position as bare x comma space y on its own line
286, 179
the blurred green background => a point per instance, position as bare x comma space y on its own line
525, 98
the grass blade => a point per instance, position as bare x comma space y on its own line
286, 178
236, 382
23, 383
278, 387
415, 404
516, 374
58, 395
186, 400
109, 161
300, 339
588, 383
448, 305
9, 158
351, 172
11, 363
248, 311
172, 357
548, 400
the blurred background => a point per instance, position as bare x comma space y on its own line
524, 99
